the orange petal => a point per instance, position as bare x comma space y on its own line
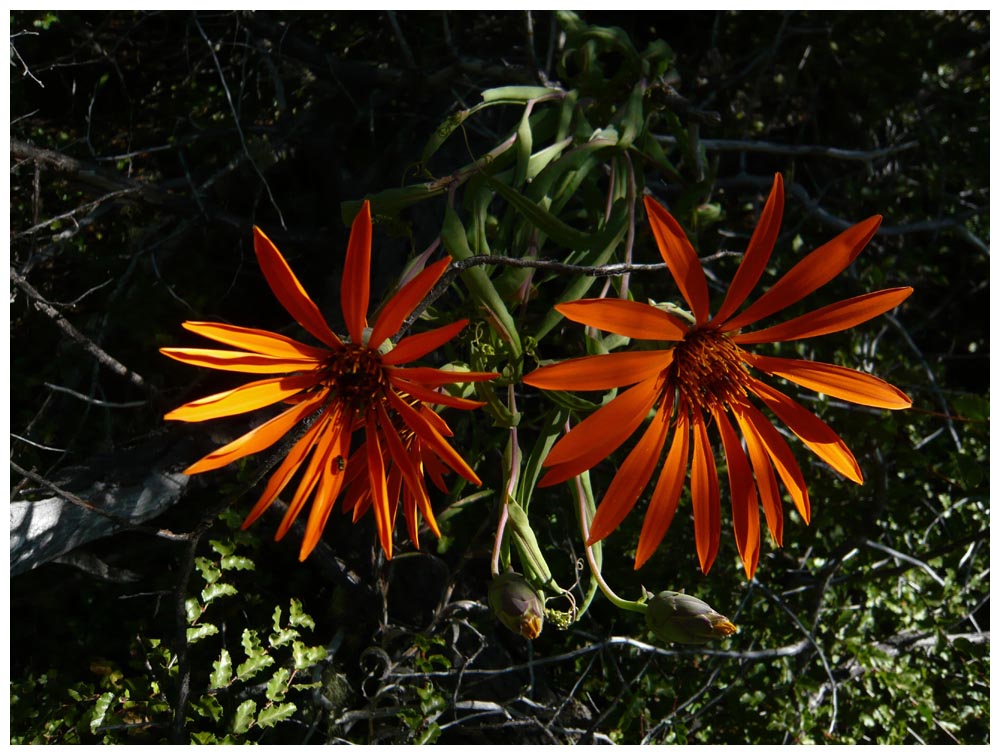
239, 361
331, 482
428, 434
598, 373
402, 304
830, 319
833, 380
243, 399
704, 495
430, 396
411, 475
742, 494
626, 318
284, 473
257, 439
755, 425
680, 257
811, 430
767, 483
376, 481
816, 269
758, 252
598, 436
433, 378
354, 285
258, 341
632, 477
289, 291
663, 504
327, 441
414, 347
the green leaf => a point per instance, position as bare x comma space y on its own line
257, 658
217, 590
208, 706
457, 244
222, 548
515, 94
304, 656
244, 717
275, 714
222, 671
208, 568
542, 219
193, 610
236, 563
100, 710
277, 685
297, 617
200, 632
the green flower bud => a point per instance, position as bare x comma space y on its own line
676, 617
517, 604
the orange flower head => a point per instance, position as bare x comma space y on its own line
709, 379
352, 384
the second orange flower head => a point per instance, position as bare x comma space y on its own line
352, 384
707, 378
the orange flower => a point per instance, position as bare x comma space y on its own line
351, 384
706, 378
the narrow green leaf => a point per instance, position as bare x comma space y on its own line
520, 93
541, 218
478, 282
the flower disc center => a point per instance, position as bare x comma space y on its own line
357, 376
708, 370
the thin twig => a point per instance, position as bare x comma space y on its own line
96, 401
98, 353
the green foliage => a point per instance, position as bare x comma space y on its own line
153, 159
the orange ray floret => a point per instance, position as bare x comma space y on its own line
351, 383
707, 379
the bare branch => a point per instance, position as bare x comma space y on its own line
98, 353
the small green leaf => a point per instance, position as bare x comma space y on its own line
282, 637
222, 671
275, 714
297, 617
193, 610
208, 568
305, 656
244, 716
100, 710
208, 706
222, 548
217, 590
277, 686
236, 563
200, 632
257, 658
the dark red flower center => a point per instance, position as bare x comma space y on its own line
707, 370
356, 376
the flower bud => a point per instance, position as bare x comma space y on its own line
517, 604
676, 617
